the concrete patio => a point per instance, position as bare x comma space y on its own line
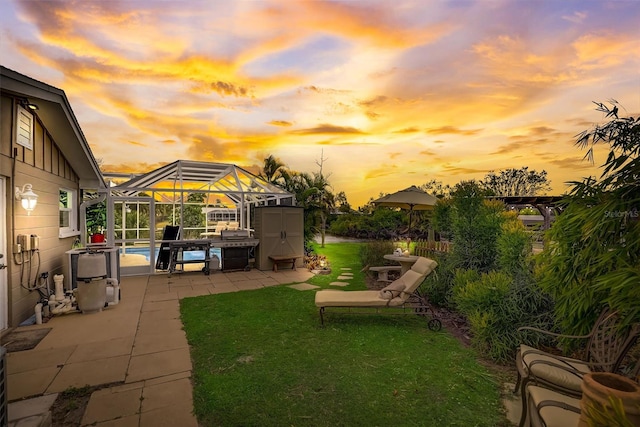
137, 349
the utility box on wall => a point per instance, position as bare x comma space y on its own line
280, 230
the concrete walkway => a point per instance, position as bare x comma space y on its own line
138, 344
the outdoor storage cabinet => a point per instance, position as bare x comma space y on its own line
280, 230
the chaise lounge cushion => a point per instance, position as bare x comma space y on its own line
551, 409
565, 373
335, 298
424, 266
392, 290
400, 289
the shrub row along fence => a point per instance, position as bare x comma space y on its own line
426, 247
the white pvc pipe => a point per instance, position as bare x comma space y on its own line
38, 314
58, 280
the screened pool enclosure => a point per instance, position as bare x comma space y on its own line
197, 196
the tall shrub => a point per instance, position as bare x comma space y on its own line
496, 303
592, 256
514, 247
441, 218
475, 224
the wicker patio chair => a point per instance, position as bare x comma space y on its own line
605, 350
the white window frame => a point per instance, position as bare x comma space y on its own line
73, 229
24, 128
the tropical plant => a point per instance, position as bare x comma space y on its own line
592, 257
273, 170
96, 217
611, 414
341, 202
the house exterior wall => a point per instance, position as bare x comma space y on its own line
46, 168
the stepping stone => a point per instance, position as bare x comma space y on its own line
303, 286
344, 273
342, 277
339, 283
345, 268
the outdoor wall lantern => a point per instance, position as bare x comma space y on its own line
29, 105
27, 198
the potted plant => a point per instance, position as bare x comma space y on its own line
609, 400
96, 235
96, 222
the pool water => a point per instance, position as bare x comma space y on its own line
187, 255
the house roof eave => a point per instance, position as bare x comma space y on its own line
55, 111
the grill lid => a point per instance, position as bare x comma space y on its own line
234, 234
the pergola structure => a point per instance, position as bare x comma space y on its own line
138, 206
545, 204
222, 184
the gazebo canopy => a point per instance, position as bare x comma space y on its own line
225, 180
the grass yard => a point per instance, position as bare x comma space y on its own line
260, 358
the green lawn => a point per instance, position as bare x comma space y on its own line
261, 359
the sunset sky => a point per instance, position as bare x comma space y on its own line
394, 93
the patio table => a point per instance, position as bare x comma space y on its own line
405, 261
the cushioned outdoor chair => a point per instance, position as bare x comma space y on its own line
548, 408
402, 296
605, 350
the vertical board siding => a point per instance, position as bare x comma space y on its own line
47, 170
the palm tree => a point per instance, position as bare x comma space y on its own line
317, 199
272, 170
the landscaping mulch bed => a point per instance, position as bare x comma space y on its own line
453, 322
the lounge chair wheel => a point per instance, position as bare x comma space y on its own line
435, 325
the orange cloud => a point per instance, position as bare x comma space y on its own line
452, 130
458, 170
411, 129
326, 128
381, 172
282, 123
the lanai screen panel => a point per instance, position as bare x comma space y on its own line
237, 185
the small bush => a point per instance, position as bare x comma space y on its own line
484, 292
529, 211
372, 253
496, 305
439, 284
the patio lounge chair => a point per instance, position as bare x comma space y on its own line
402, 296
606, 348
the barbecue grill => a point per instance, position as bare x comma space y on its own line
238, 249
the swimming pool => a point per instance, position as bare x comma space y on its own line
187, 255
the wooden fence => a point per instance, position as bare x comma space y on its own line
426, 247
